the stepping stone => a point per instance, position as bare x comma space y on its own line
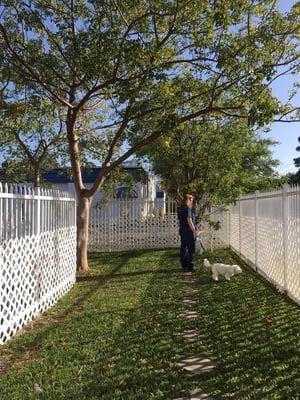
189, 290
197, 365
188, 279
189, 315
196, 395
191, 335
191, 280
189, 302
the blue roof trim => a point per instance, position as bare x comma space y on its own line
88, 175
160, 195
56, 176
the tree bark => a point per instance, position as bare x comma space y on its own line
83, 198
83, 215
37, 177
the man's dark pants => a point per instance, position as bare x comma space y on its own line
187, 250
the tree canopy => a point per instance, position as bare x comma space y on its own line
31, 136
216, 161
132, 60
145, 67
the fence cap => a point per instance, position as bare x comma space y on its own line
22, 189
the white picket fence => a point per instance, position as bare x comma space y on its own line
37, 253
264, 228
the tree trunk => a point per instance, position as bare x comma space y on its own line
83, 215
37, 178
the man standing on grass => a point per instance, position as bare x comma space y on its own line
188, 233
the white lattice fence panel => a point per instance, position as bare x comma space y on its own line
247, 228
265, 229
293, 262
293, 242
99, 229
35, 272
37, 253
270, 236
221, 236
216, 238
248, 237
125, 234
234, 228
270, 249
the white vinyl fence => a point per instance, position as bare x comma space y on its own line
37, 253
127, 224
38, 241
264, 228
124, 224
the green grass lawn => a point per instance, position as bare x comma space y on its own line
115, 336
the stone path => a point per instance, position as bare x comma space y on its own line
189, 290
189, 315
188, 302
191, 335
195, 364
195, 395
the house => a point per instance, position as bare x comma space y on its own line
143, 187
143, 199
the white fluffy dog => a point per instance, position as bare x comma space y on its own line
222, 269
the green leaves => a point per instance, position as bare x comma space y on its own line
144, 68
262, 112
31, 135
216, 160
93, 43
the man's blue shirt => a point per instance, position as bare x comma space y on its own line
183, 214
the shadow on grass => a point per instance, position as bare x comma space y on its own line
250, 330
128, 348
45, 324
125, 275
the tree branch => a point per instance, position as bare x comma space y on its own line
30, 70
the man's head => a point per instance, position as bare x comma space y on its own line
188, 200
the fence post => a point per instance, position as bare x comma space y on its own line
210, 232
109, 209
37, 230
37, 212
284, 230
168, 213
256, 229
1, 217
240, 226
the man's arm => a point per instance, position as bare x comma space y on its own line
191, 225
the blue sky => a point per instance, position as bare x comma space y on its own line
285, 133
